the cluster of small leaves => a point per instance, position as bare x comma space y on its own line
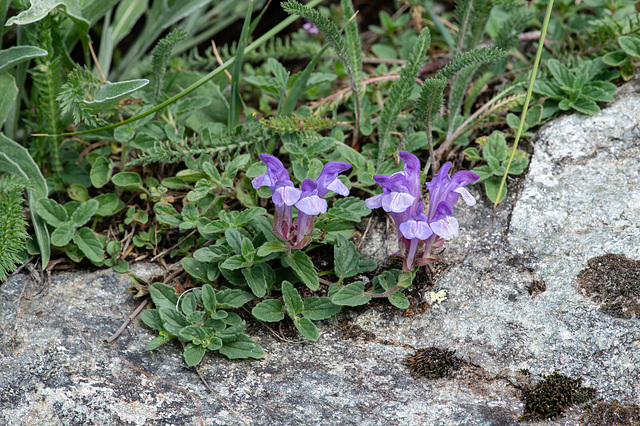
495, 153
579, 89
432, 362
550, 397
201, 321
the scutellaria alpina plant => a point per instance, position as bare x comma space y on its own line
309, 199
420, 234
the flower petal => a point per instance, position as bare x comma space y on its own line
415, 229
286, 194
312, 205
446, 227
466, 196
374, 202
397, 202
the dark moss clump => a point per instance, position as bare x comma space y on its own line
433, 362
610, 414
549, 398
614, 281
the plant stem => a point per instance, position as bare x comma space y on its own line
532, 80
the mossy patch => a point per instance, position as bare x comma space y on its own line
614, 281
609, 413
433, 362
550, 397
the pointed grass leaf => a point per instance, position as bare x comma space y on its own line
292, 300
172, 320
399, 300
268, 310
163, 296
193, 354
320, 308
351, 295
243, 347
232, 298
303, 267
61, 236
52, 213
89, 244
307, 328
209, 298
84, 213
101, 171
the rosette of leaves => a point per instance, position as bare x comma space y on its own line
579, 89
201, 321
301, 312
495, 153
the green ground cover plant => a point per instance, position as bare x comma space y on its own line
243, 165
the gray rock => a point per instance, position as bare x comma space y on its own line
580, 199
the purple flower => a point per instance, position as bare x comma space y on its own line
310, 27
419, 234
308, 200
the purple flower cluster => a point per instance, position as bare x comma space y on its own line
308, 199
419, 233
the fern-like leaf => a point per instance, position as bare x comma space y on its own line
161, 54
13, 233
400, 92
80, 83
476, 56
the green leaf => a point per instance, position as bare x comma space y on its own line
193, 354
615, 58
387, 279
405, 279
271, 247
121, 267
127, 180
193, 333
345, 258
334, 228
303, 267
399, 300
172, 320
492, 186
232, 298
349, 208
110, 94
78, 192
234, 238
16, 54
256, 279
61, 236
215, 343
195, 268
89, 244
243, 347
268, 310
127, 14
53, 213
561, 74
8, 94
320, 308
495, 147
292, 300
248, 215
167, 214
159, 341
188, 303
163, 296
209, 298
631, 45
307, 328
233, 263
351, 295
108, 204
101, 171
84, 213
586, 106
151, 318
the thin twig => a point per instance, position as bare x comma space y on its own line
219, 59
219, 398
176, 245
135, 313
195, 397
95, 59
364, 234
